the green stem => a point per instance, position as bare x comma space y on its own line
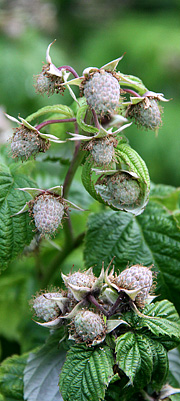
77, 158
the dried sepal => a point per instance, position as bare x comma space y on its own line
50, 80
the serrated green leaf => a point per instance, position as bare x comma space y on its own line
163, 319
166, 195
128, 356
11, 377
135, 358
151, 238
174, 367
163, 309
160, 364
57, 108
86, 373
135, 163
15, 231
80, 120
41, 373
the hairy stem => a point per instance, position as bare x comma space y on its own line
94, 301
63, 120
77, 158
131, 92
121, 298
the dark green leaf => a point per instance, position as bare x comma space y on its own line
15, 231
135, 358
42, 371
160, 364
174, 367
11, 377
166, 195
151, 238
163, 319
86, 373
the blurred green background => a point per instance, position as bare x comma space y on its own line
88, 33
91, 33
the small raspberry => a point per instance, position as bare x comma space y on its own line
146, 113
82, 279
48, 212
122, 188
45, 308
88, 326
26, 143
44, 84
102, 151
135, 277
102, 92
79, 279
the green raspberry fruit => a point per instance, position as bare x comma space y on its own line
102, 151
102, 92
44, 84
81, 279
48, 212
135, 277
146, 114
120, 188
45, 308
88, 326
26, 143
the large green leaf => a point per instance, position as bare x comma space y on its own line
86, 373
135, 358
160, 364
15, 231
11, 377
174, 367
41, 373
61, 109
151, 238
162, 318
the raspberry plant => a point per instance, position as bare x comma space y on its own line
113, 322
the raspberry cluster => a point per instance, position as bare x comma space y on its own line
88, 301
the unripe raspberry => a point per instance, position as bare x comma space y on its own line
48, 212
44, 84
123, 188
102, 151
102, 92
88, 327
146, 114
26, 143
82, 279
45, 308
135, 277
